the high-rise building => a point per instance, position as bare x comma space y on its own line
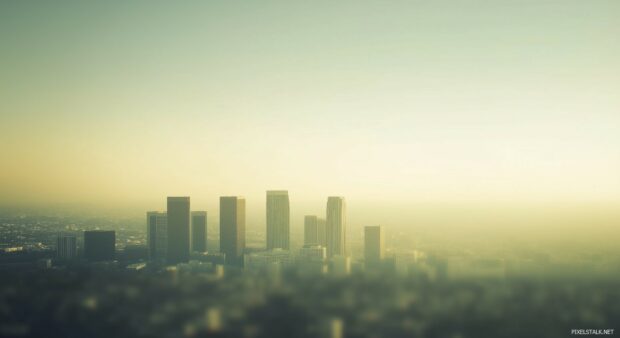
311, 231
99, 245
199, 231
156, 233
232, 229
66, 246
315, 231
336, 226
374, 245
179, 235
278, 220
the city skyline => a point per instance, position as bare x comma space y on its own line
309, 169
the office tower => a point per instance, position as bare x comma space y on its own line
314, 231
278, 220
311, 231
66, 246
99, 245
179, 236
199, 231
232, 229
336, 226
156, 233
374, 245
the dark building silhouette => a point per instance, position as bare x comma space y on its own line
232, 229
99, 245
199, 231
179, 236
155, 224
66, 246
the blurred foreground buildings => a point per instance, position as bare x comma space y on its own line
368, 286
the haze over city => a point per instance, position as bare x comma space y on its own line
388, 104
309, 169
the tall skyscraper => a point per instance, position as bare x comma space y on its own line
374, 245
336, 226
199, 231
232, 229
66, 246
99, 245
156, 233
179, 235
278, 220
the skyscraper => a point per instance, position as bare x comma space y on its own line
278, 219
232, 229
156, 233
374, 245
311, 231
199, 231
99, 245
336, 226
66, 246
179, 236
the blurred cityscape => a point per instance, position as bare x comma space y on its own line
172, 274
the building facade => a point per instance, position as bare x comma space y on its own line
99, 245
278, 220
336, 226
232, 229
374, 245
178, 230
156, 233
66, 246
199, 231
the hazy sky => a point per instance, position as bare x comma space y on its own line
390, 102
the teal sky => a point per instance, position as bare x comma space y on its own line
126, 102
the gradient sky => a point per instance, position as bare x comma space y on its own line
386, 102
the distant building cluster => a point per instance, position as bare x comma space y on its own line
179, 235
173, 235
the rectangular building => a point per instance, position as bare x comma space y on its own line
374, 245
336, 226
199, 231
278, 220
99, 245
156, 234
232, 229
66, 246
178, 229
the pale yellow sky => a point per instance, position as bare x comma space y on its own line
386, 103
